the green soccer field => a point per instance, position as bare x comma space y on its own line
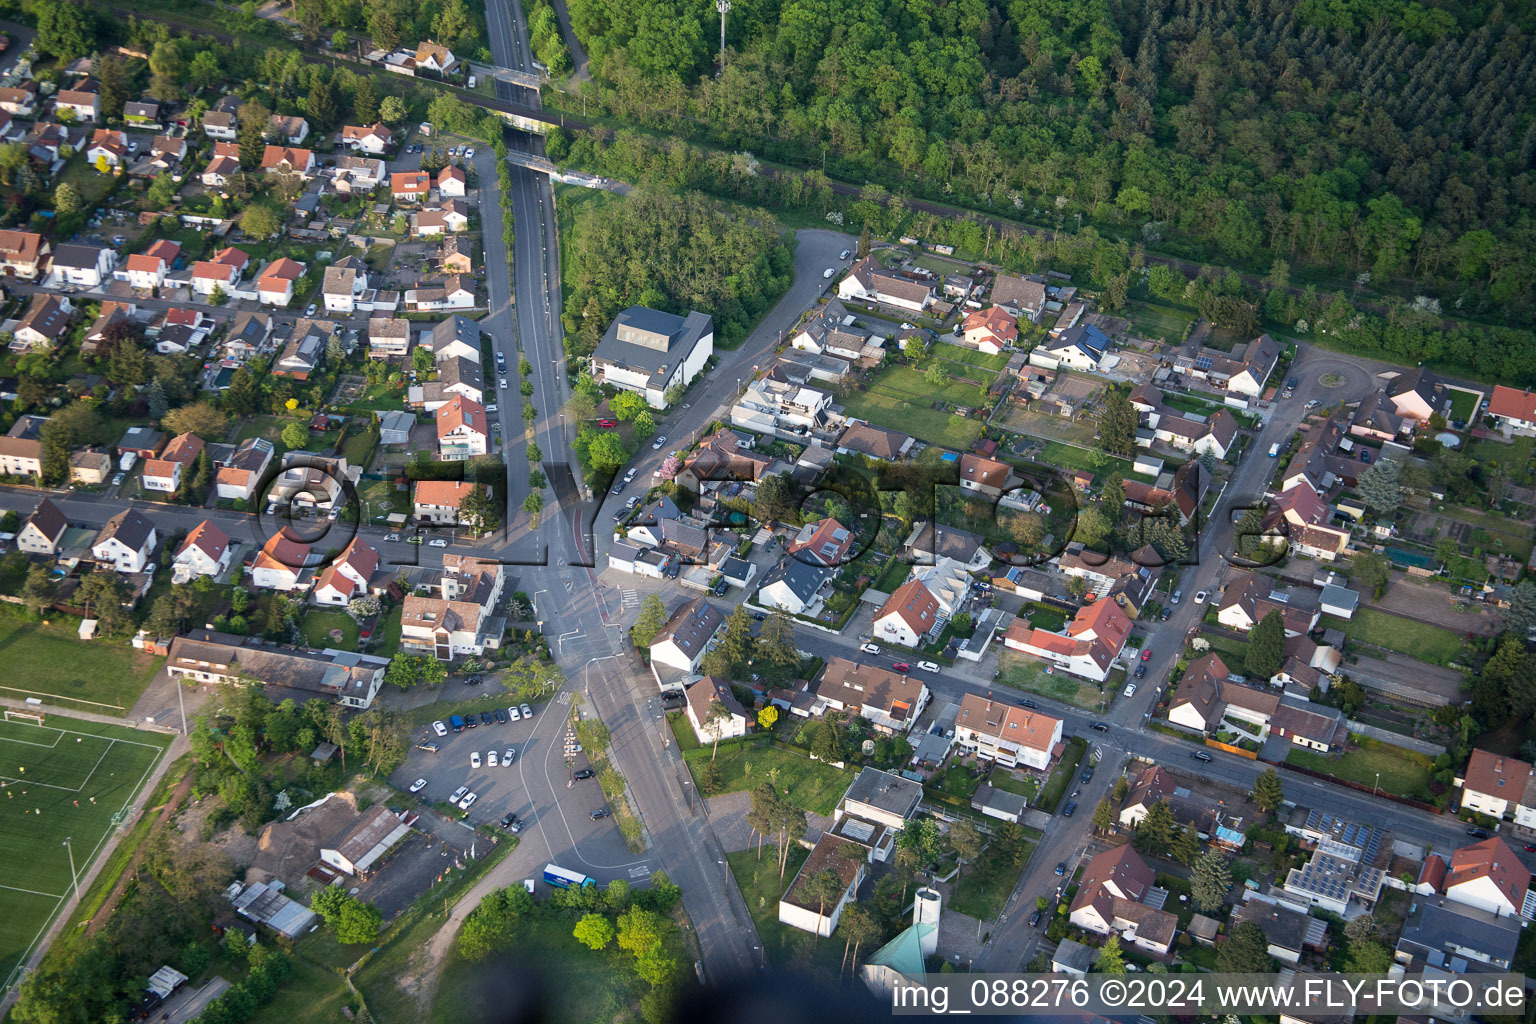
45, 772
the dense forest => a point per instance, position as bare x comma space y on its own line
1388, 138
676, 253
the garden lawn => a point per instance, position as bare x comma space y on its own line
983, 888
1462, 404
1433, 644
760, 887
317, 628
1404, 772
1003, 779
809, 784
387, 633
1069, 456
1025, 673
1155, 320
961, 354
49, 661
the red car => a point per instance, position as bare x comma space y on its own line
902, 666
1146, 654
607, 424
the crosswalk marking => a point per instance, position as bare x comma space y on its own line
631, 598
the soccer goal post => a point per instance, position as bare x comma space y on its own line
24, 715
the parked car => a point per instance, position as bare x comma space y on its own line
464, 804
469, 154
459, 794
600, 814
843, 255
656, 444
473, 681
1291, 384
474, 759
1061, 868
429, 747
630, 476
828, 272
869, 648
511, 822
389, 537
469, 722
1200, 597
1034, 919
1178, 595
928, 666
1130, 689
1027, 703
1146, 654
117, 478
526, 710
437, 543
1070, 809
607, 424
1274, 450
1200, 755
1477, 833
901, 666
440, 728
491, 760
486, 719
1087, 775
1141, 671
1313, 404
584, 773
720, 588
517, 716
501, 717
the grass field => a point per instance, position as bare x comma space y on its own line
1154, 320
1025, 673
1070, 457
1405, 772
961, 354
1462, 404
983, 888
810, 784
901, 398
46, 771
49, 661
1416, 639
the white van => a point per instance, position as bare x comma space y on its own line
1274, 450
471, 81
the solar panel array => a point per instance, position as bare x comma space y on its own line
1203, 362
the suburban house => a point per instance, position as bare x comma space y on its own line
205, 552
126, 542
21, 253
1287, 931
222, 125
683, 640
452, 182
1323, 459
874, 442
451, 294
1500, 787
793, 586
1007, 734
825, 542
19, 101
456, 256
990, 330
1487, 875
342, 676
1249, 597
798, 908
985, 476
891, 702
724, 724
275, 285
1515, 410
1207, 695
147, 269
457, 337
288, 128
1374, 418
388, 337
868, 281
222, 166
280, 563
347, 575
109, 148
462, 431
410, 186
47, 319
21, 451
237, 477
651, 352
304, 349
437, 501
1024, 297
221, 272
311, 480
89, 466
1110, 899
1445, 935
83, 99
374, 139
463, 618
166, 153
354, 174
833, 331
1077, 348
1307, 517
435, 57
769, 406
1242, 376
167, 471
43, 529
928, 542
1416, 394
346, 288
1086, 647
908, 615
287, 160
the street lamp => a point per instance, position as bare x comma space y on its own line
1375, 784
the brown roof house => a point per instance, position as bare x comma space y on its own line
1110, 901
713, 727
890, 701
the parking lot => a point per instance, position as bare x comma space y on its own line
535, 787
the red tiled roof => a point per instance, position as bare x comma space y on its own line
914, 604
1512, 403
208, 538
1492, 859
1496, 775
1007, 722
